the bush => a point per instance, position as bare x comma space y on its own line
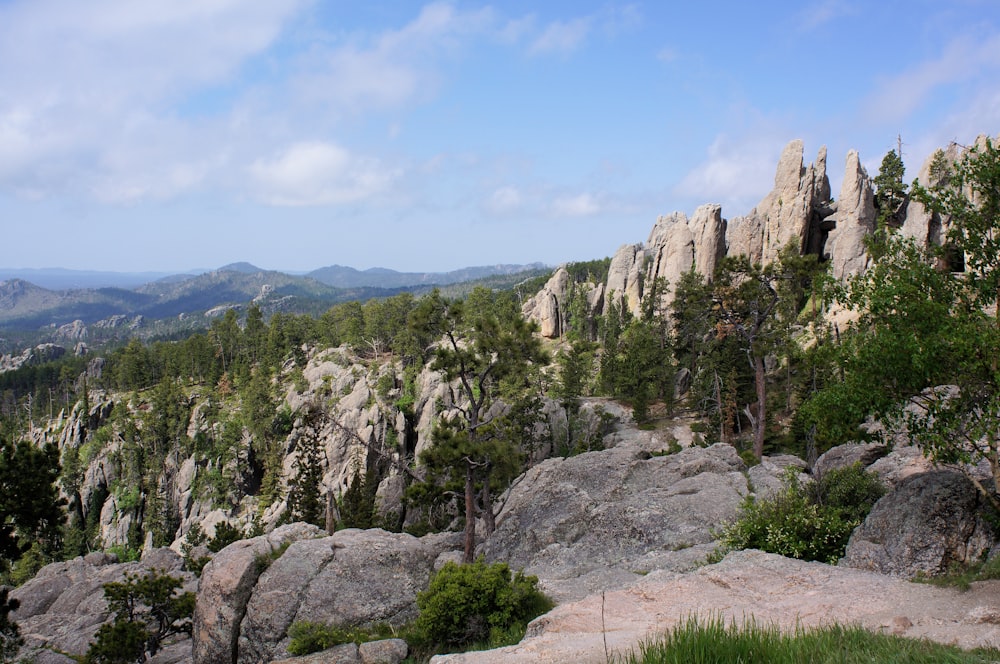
309, 637
225, 534
849, 491
811, 523
477, 603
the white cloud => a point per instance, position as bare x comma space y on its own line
821, 13
667, 54
561, 37
505, 201
395, 67
963, 59
737, 173
90, 91
317, 173
580, 205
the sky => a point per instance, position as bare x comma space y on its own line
169, 135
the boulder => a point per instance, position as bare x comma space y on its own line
63, 606
849, 454
345, 653
226, 585
768, 477
353, 577
386, 651
611, 515
927, 523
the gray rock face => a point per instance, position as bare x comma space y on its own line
791, 594
387, 651
928, 522
927, 227
63, 606
843, 456
612, 513
855, 220
353, 577
625, 276
677, 244
225, 588
37, 355
788, 213
346, 653
550, 306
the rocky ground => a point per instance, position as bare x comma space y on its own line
766, 587
618, 537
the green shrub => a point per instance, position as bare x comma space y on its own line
225, 534
308, 637
477, 603
811, 523
849, 491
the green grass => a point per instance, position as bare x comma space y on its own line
711, 641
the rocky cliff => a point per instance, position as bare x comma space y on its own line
799, 211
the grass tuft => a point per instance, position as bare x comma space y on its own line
713, 641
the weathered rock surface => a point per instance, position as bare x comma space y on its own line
677, 244
63, 606
354, 577
855, 221
225, 588
609, 516
625, 277
788, 214
849, 454
772, 589
928, 522
37, 355
550, 306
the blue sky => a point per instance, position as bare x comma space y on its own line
294, 134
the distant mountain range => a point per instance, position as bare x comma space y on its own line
47, 302
380, 277
338, 276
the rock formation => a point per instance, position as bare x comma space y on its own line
550, 306
625, 276
63, 606
926, 524
676, 245
854, 222
789, 214
37, 355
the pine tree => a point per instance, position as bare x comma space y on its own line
304, 499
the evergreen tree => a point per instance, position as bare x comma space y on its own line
10, 634
890, 191
486, 342
304, 499
31, 509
